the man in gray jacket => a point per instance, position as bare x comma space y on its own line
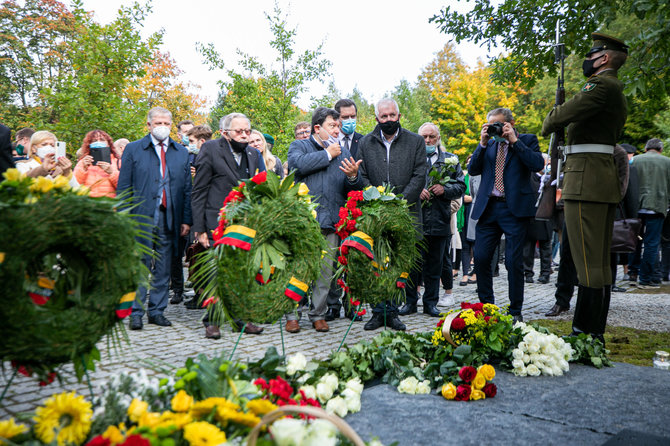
393, 155
330, 173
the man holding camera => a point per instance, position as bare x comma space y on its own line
505, 202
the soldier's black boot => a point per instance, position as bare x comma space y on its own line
599, 327
580, 323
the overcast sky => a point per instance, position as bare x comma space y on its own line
372, 44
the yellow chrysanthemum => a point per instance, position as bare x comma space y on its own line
61, 182
469, 317
438, 337
490, 307
479, 382
303, 189
205, 407
179, 420
477, 395
201, 433
182, 401
42, 185
449, 391
380, 189
224, 415
487, 371
12, 174
149, 419
260, 406
136, 409
114, 435
8, 428
65, 417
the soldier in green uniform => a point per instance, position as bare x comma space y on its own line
594, 118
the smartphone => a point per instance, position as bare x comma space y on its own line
60, 149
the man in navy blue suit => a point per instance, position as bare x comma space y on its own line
156, 175
505, 202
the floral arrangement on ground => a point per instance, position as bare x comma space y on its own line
69, 268
378, 247
268, 244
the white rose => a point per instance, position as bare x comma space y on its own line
356, 385
331, 381
521, 371
517, 353
408, 385
520, 325
310, 391
563, 364
423, 387
317, 439
296, 363
304, 378
533, 370
324, 392
557, 371
546, 370
288, 431
325, 428
523, 346
534, 358
337, 406
375, 442
352, 399
518, 364
533, 348
526, 358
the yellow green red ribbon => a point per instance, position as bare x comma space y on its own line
296, 289
402, 280
238, 236
125, 305
361, 241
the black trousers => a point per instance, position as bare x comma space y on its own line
567, 273
529, 257
428, 268
177, 268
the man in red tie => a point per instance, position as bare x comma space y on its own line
155, 175
505, 202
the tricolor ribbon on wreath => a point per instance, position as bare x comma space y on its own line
296, 289
41, 292
361, 241
259, 275
125, 305
238, 236
402, 280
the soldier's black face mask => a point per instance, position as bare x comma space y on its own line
587, 66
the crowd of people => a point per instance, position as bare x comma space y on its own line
479, 215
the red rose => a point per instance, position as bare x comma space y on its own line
50, 378
478, 306
465, 306
135, 440
490, 390
458, 324
467, 373
351, 225
342, 260
440, 323
356, 213
479, 313
260, 177
355, 303
463, 392
351, 204
341, 283
98, 441
361, 313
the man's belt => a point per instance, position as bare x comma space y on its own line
588, 148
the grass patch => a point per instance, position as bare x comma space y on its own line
625, 344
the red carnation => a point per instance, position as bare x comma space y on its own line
478, 306
440, 323
341, 283
342, 234
356, 213
487, 318
351, 204
135, 440
344, 250
342, 260
260, 177
344, 213
467, 373
479, 313
281, 388
50, 378
463, 392
490, 390
458, 324
465, 306
98, 441
356, 195
361, 313
351, 225
262, 384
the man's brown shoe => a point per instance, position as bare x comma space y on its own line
555, 311
320, 325
249, 328
212, 332
292, 326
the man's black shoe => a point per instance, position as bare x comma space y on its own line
375, 322
160, 320
407, 309
618, 289
177, 298
332, 314
517, 318
136, 322
351, 315
529, 279
555, 311
192, 304
395, 323
431, 310
543, 279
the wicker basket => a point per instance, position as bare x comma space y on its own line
269, 418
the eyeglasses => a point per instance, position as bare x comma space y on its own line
303, 132
240, 131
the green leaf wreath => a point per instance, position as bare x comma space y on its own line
69, 268
268, 249
378, 272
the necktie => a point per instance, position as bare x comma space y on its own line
500, 167
163, 168
346, 142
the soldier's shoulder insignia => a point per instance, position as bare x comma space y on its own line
588, 86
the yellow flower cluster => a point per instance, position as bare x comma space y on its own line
202, 433
65, 417
260, 406
9, 429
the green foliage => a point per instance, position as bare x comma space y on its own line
589, 351
414, 104
267, 94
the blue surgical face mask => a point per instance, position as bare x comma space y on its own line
430, 150
193, 148
184, 140
98, 145
349, 126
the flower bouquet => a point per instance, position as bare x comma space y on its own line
440, 176
379, 245
481, 326
539, 353
472, 384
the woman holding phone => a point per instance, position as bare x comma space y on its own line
43, 160
97, 167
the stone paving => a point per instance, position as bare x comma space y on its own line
171, 346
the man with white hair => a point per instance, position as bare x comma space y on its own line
395, 156
220, 165
155, 177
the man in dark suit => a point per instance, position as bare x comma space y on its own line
220, 165
348, 139
156, 176
6, 160
505, 201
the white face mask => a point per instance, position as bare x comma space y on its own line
43, 151
161, 132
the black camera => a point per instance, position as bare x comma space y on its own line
495, 129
